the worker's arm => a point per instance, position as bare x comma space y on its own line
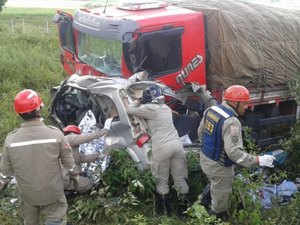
78, 139
233, 143
142, 111
6, 168
66, 155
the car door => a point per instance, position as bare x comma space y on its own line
68, 39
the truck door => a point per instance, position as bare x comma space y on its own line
68, 54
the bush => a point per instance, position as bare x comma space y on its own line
292, 146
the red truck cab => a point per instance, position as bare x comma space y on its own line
123, 40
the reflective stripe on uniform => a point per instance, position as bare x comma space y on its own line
220, 111
25, 143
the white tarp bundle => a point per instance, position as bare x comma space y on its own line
92, 170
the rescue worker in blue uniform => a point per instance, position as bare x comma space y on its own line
220, 133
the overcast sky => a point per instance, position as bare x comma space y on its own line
291, 4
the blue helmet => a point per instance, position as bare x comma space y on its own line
151, 93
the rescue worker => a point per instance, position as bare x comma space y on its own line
168, 155
222, 147
34, 154
75, 138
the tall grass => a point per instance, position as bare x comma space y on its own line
19, 12
28, 60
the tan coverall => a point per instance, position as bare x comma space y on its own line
74, 140
220, 176
167, 149
34, 154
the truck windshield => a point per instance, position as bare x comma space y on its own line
103, 55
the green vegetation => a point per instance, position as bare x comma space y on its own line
27, 61
16, 12
20, 12
125, 196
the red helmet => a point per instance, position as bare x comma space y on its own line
237, 93
27, 101
72, 128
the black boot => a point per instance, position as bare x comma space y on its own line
222, 215
163, 205
183, 204
206, 197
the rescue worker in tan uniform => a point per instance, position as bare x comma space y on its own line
220, 132
34, 154
168, 155
75, 138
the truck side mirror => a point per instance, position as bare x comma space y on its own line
56, 18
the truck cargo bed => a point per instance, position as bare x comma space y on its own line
249, 44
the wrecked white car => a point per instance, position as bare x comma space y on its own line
87, 101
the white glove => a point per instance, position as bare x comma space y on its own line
107, 124
266, 160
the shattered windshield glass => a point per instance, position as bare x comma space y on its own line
104, 55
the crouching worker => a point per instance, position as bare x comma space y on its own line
35, 154
220, 132
168, 155
75, 138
